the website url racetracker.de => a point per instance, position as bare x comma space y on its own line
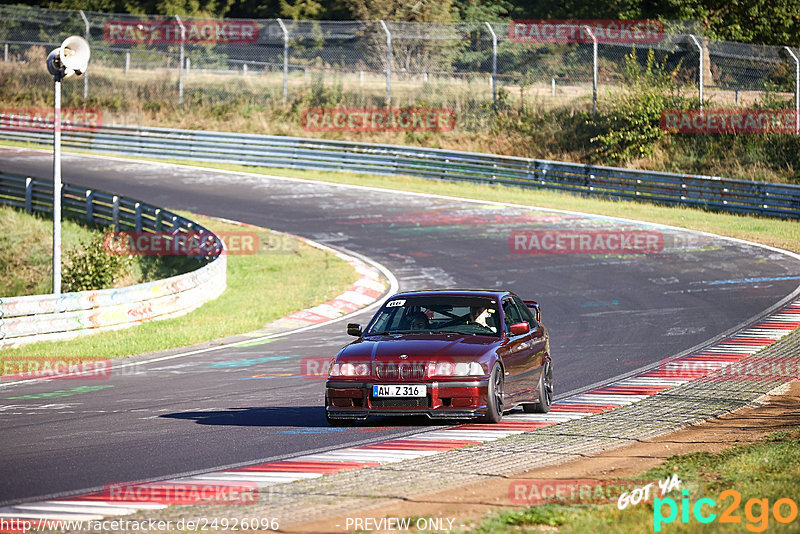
200, 524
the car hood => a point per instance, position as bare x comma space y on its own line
418, 347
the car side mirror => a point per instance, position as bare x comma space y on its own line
354, 329
518, 329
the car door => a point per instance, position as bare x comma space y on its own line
517, 355
540, 347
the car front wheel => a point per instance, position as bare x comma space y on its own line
494, 402
545, 389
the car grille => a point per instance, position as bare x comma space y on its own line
401, 371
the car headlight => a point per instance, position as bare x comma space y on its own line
349, 369
459, 369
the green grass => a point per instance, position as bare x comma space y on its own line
768, 470
285, 276
29, 269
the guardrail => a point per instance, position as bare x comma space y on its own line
735, 196
47, 317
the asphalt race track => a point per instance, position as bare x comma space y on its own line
608, 314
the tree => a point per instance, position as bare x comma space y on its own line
400, 10
301, 9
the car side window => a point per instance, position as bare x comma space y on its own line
511, 312
527, 315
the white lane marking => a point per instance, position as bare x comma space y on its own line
51, 506
742, 349
463, 435
135, 505
652, 381
603, 398
556, 417
766, 334
50, 515
237, 478
365, 455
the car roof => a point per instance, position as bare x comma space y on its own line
486, 293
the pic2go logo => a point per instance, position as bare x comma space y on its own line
756, 511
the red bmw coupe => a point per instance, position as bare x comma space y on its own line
449, 354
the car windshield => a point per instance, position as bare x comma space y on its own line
437, 314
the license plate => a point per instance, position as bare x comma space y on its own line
403, 390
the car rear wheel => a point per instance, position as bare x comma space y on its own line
545, 389
494, 402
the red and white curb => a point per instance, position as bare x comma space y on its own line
97, 505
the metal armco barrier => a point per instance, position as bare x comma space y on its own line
735, 196
47, 317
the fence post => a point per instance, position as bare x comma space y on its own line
388, 63
794, 57
29, 194
494, 63
115, 212
5, 54
137, 217
285, 60
594, 68
89, 206
180, 61
85, 74
127, 61
699, 46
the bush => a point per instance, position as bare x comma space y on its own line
91, 266
631, 123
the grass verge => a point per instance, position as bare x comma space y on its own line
29, 269
286, 275
755, 476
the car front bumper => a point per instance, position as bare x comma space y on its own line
463, 399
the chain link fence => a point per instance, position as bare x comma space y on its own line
141, 64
